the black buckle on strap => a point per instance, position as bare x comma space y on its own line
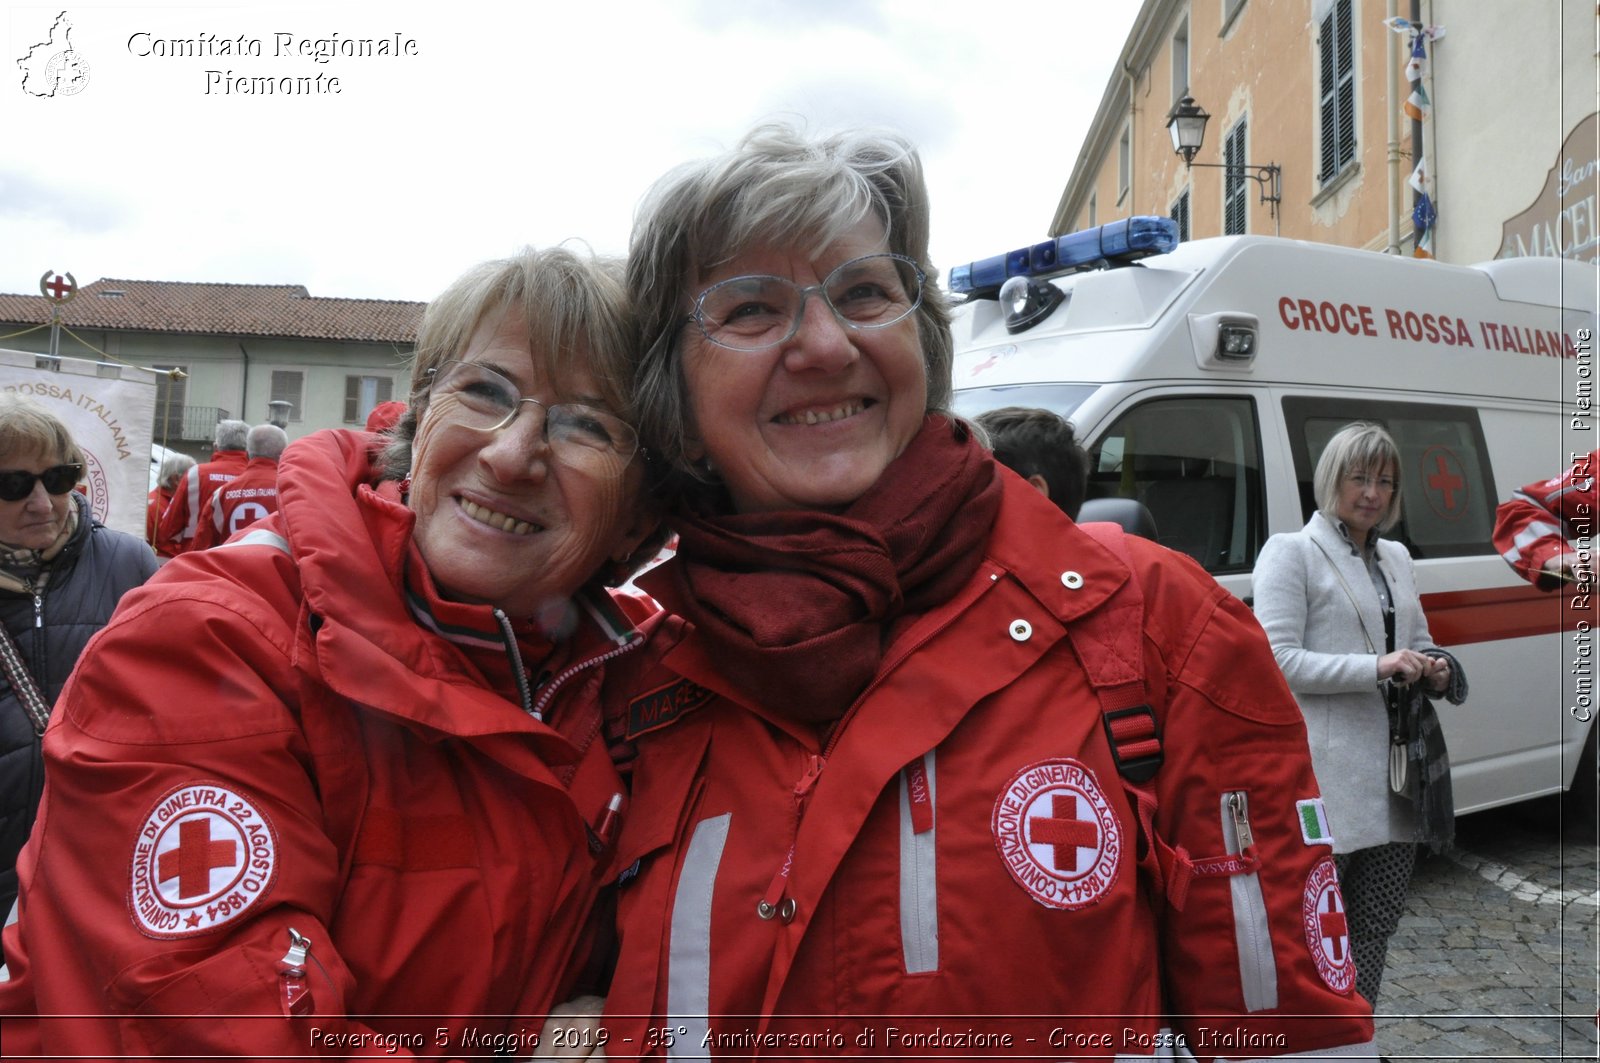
1136, 769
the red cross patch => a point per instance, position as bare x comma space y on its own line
203, 857
1328, 928
1057, 834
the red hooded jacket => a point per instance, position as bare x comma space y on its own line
283, 741
955, 871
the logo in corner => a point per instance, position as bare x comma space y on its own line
1057, 834
1328, 927
53, 67
204, 856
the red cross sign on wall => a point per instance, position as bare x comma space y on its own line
56, 287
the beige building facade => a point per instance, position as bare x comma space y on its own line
1316, 88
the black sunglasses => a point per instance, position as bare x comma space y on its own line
15, 485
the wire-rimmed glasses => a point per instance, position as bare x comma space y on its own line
755, 312
482, 397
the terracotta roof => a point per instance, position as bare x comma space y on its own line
286, 310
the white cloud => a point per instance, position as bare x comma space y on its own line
513, 124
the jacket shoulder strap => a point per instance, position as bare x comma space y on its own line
1109, 642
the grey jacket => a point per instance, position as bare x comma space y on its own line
1328, 648
87, 579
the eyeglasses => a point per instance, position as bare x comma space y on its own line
486, 399
759, 311
1384, 484
16, 484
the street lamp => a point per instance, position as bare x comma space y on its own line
1187, 124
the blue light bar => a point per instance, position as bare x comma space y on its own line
1117, 241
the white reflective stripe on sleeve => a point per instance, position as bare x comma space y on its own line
1537, 530
689, 951
919, 885
191, 486
1258, 970
259, 537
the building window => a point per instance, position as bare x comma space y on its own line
362, 393
1093, 209
1230, 8
171, 395
1180, 214
288, 385
1234, 202
1336, 57
1124, 163
1180, 61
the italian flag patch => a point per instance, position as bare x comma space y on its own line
1314, 822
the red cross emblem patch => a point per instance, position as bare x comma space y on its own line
1328, 928
204, 856
1057, 834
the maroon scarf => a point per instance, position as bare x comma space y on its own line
797, 605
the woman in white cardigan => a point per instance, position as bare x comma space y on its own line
1327, 596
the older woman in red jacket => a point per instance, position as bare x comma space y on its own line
874, 785
337, 786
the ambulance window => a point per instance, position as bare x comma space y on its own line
1195, 463
1446, 485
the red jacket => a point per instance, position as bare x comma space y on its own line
963, 867
245, 499
192, 498
155, 505
1537, 521
267, 737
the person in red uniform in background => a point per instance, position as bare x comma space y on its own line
1534, 528
873, 785
191, 501
251, 495
173, 466
335, 787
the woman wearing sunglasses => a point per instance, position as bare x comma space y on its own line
342, 779
61, 575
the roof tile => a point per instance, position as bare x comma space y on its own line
283, 310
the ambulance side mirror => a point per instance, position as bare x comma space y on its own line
1226, 340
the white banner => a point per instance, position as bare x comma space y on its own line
110, 410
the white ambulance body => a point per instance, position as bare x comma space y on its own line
1205, 382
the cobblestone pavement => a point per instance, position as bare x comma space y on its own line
1498, 956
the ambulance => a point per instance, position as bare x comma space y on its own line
1205, 378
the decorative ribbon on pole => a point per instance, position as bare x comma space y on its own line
1418, 107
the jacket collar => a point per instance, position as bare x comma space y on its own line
350, 540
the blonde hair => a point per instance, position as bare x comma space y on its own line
27, 428
575, 311
1356, 448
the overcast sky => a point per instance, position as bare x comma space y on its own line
511, 124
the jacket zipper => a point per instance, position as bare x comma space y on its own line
1257, 966
773, 903
520, 675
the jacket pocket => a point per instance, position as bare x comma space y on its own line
1258, 972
